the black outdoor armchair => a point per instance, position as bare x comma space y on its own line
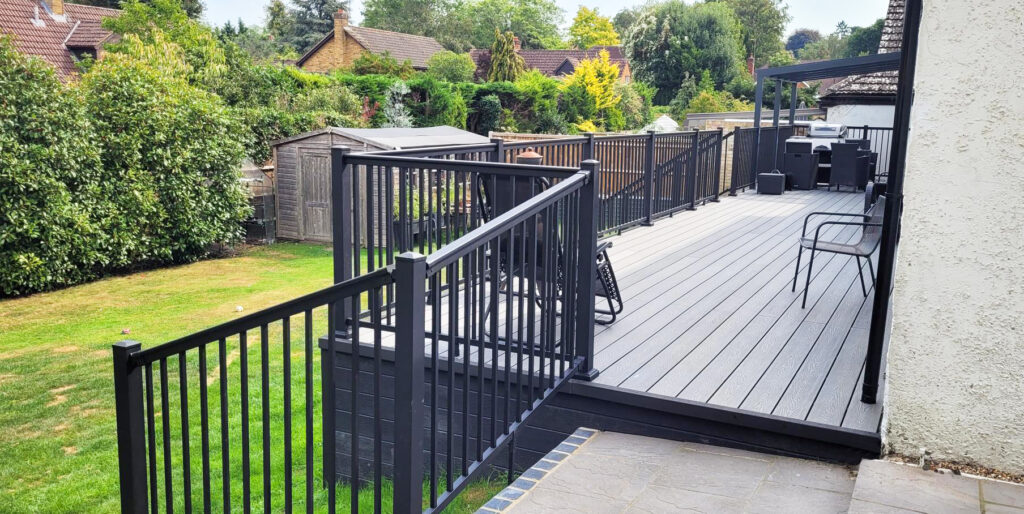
801, 168
514, 191
849, 166
871, 236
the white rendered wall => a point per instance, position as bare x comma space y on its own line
956, 356
860, 115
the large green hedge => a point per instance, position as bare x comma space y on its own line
49, 180
129, 167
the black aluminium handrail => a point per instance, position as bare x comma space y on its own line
292, 307
435, 150
453, 251
521, 170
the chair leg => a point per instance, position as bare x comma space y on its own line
796, 272
871, 268
810, 266
860, 273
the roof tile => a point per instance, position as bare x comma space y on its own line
80, 27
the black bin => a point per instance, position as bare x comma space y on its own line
770, 183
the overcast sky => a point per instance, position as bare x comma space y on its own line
822, 15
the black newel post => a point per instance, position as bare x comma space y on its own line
498, 154
691, 171
341, 225
893, 203
649, 180
589, 204
588, 147
410, 279
131, 443
719, 138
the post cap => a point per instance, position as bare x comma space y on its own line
530, 156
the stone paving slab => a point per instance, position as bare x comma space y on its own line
608, 472
884, 486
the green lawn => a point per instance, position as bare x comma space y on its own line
57, 435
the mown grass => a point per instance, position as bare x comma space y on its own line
57, 432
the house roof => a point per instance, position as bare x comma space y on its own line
874, 87
52, 37
416, 49
550, 62
398, 138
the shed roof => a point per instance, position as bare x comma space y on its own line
399, 138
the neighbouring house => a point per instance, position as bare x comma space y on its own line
303, 170
343, 45
60, 33
554, 63
869, 99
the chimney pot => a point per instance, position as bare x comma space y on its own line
516, 44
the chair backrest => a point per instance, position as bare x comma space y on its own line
499, 194
844, 156
865, 144
793, 147
876, 214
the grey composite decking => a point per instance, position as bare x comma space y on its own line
709, 316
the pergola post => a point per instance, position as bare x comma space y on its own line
792, 104
758, 100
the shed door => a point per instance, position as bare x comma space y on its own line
316, 195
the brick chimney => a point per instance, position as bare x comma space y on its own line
750, 64
516, 44
56, 6
340, 21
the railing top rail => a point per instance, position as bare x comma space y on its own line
292, 307
545, 142
455, 250
523, 170
436, 150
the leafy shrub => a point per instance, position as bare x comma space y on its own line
170, 153
451, 67
50, 179
488, 111
373, 64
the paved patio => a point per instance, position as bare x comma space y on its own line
607, 472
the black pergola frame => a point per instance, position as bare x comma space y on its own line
905, 63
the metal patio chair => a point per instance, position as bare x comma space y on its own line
871, 236
517, 191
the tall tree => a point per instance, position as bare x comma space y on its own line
311, 21
763, 24
534, 22
864, 40
506, 64
278, 24
623, 20
193, 8
673, 39
801, 38
591, 29
828, 48
443, 20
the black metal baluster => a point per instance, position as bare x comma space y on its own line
378, 437
243, 348
265, 411
435, 321
453, 345
353, 325
204, 423
151, 440
286, 354
165, 414
186, 465
308, 327
469, 310
225, 436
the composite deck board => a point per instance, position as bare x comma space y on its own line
710, 316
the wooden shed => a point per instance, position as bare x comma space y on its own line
303, 170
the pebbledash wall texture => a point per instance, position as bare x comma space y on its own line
956, 357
